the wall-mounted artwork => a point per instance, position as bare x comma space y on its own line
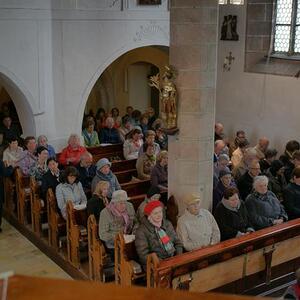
149, 2
229, 28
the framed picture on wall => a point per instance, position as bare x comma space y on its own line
229, 29
149, 2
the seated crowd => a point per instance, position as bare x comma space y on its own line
252, 188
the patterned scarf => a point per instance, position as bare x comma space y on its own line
165, 240
127, 222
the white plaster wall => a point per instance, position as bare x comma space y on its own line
54, 51
263, 105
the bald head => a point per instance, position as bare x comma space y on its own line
263, 144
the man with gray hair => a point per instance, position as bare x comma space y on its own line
221, 164
263, 206
243, 166
87, 170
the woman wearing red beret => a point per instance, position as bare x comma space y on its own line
156, 234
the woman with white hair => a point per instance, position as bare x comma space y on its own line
263, 206
72, 153
109, 134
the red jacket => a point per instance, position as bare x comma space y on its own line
70, 156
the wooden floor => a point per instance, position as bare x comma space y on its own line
19, 255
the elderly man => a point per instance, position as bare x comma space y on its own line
222, 164
86, 170
219, 146
261, 147
219, 131
263, 206
197, 228
243, 166
245, 183
109, 134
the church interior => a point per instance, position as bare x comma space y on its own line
153, 144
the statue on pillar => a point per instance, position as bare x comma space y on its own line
168, 97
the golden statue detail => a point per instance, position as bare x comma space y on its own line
167, 95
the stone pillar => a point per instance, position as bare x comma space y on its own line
193, 53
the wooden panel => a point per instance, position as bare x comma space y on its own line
221, 274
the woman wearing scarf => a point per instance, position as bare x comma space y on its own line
104, 173
146, 162
232, 216
156, 234
117, 216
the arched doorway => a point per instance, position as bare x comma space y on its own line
13, 92
125, 81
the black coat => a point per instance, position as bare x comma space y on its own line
86, 176
245, 185
231, 222
94, 206
48, 181
291, 200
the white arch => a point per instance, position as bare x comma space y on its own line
86, 92
21, 98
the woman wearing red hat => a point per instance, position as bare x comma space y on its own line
156, 234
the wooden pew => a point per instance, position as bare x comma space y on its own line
123, 165
76, 232
127, 270
9, 192
37, 209
23, 196
97, 253
56, 223
126, 176
137, 187
236, 266
109, 151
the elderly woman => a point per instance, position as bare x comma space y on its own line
263, 206
146, 162
104, 173
109, 134
90, 136
70, 189
156, 234
133, 144
117, 216
72, 153
43, 141
159, 173
150, 140
13, 152
99, 199
197, 228
225, 181
291, 196
222, 163
232, 215
40, 167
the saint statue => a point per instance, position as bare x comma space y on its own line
167, 95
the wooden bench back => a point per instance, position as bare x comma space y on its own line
136, 188
123, 165
231, 263
125, 253
76, 222
23, 195
97, 253
56, 223
126, 176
